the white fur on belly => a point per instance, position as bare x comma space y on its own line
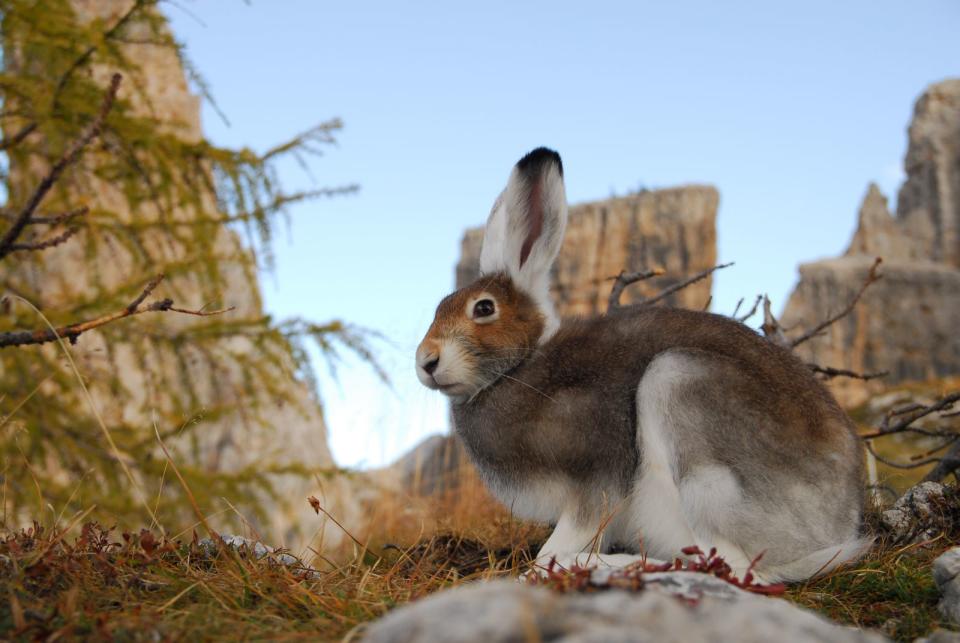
538, 499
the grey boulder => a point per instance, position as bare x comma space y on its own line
672, 606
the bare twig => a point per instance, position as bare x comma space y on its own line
47, 243
17, 138
70, 156
906, 408
929, 433
872, 277
201, 313
829, 372
54, 219
908, 465
623, 280
149, 288
677, 287
750, 313
736, 308
948, 464
948, 440
683, 284
771, 328
73, 331
913, 413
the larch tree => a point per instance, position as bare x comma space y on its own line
140, 379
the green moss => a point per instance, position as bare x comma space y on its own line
892, 591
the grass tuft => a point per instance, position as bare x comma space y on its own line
891, 590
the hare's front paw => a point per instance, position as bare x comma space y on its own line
582, 560
573, 545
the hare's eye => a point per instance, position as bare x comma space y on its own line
483, 308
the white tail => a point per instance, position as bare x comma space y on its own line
819, 562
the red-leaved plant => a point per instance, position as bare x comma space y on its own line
631, 577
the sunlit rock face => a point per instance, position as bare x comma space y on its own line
908, 322
673, 229
929, 202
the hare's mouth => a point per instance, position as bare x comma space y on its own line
443, 384
455, 389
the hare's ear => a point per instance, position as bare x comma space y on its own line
525, 229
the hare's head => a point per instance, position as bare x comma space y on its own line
483, 330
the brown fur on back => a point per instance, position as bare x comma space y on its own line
570, 406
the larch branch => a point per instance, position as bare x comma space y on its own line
46, 243
17, 138
73, 331
69, 157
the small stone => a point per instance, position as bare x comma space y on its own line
946, 569
911, 517
940, 636
257, 548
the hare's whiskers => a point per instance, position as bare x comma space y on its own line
530, 386
483, 388
519, 381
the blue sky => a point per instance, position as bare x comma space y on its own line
789, 109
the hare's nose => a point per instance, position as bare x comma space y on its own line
430, 364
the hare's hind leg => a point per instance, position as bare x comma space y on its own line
721, 459
672, 513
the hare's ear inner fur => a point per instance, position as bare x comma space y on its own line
525, 229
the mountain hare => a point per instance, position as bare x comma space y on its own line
648, 429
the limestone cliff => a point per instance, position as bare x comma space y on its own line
673, 229
928, 205
908, 322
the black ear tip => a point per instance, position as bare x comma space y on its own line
534, 162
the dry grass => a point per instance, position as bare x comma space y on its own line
91, 582
139, 587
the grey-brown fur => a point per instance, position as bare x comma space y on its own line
569, 408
